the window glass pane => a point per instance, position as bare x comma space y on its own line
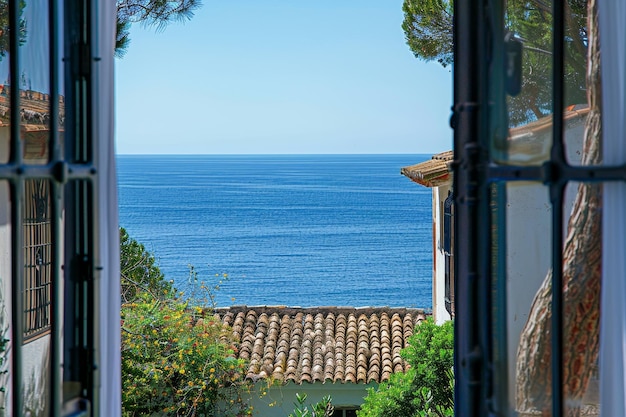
524, 355
582, 84
527, 137
37, 256
582, 269
34, 81
37, 241
5, 109
5, 291
61, 75
524, 243
36, 376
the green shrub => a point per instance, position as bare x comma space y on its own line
178, 359
427, 388
139, 271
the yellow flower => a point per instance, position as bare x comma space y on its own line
212, 370
182, 371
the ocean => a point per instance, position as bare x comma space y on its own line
294, 230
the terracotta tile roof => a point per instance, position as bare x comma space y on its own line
432, 172
525, 139
528, 142
336, 344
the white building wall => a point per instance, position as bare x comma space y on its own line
440, 314
279, 400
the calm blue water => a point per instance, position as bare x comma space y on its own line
297, 230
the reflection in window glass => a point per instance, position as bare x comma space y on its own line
575, 43
529, 113
61, 79
582, 271
37, 240
5, 109
5, 290
582, 82
34, 82
526, 249
529, 297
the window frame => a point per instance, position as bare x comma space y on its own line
71, 173
448, 245
344, 411
479, 52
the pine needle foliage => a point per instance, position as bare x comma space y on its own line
152, 13
427, 28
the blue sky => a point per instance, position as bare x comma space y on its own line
281, 76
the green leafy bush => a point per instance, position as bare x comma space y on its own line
139, 271
427, 388
178, 359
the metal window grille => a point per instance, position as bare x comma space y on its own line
37, 232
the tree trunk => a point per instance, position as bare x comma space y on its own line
582, 254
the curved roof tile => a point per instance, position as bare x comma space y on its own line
336, 344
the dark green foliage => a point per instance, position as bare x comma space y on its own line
178, 358
5, 29
531, 21
427, 388
122, 38
428, 30
157, 13
139, 271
